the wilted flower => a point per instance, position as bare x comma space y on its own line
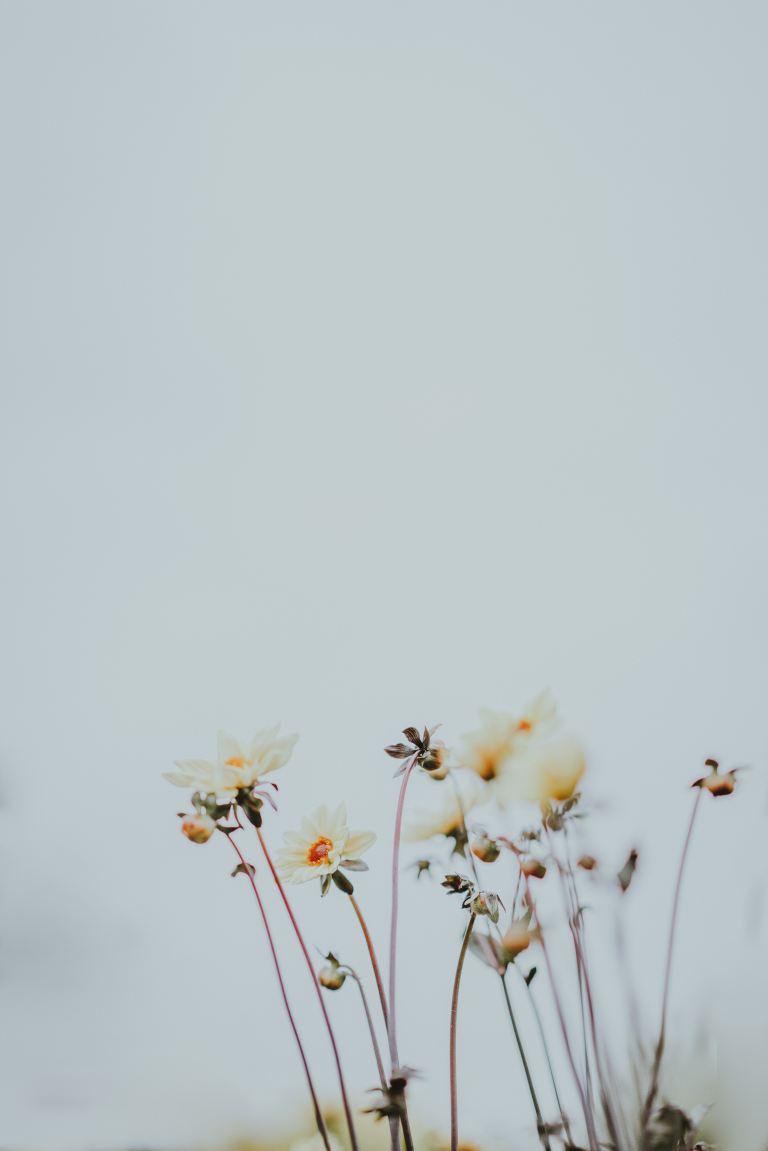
322, 846
447, 817
238, 766
421, 750
198, 827
332, 975
717, 783
486, 903
501, 736
457, 884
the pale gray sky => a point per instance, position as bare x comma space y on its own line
361, 364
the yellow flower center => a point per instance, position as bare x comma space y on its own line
319, 851
235, 761
524, 725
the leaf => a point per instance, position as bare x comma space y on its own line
243, 869
342, 882
325, 885
354, 865
529, 978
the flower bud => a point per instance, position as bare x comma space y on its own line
198, 828
587, 863
485, 849
518, 937
332, 975
532, 868
486, 903
717, 783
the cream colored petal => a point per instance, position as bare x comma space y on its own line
358, 843
228, 748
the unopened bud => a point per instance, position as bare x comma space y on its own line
485, 849
587, 863
486, 903
532, 868
518, 937
332, 975
198, 828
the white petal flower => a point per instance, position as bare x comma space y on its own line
502, 736
547, 771
323, 841
237, 765
446, 817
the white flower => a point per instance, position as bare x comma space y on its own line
323, 844
446, 817
501, 736
237, 765
548, 771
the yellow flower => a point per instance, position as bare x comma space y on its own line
447, 816
502, 736
238, 766
547, 772
323, 844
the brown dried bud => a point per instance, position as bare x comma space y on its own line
587, 863
486, 903
717, 783
332, 975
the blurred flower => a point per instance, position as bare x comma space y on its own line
484, 848
323, 845
447, 816
587, 863
238, 766
717, 783
518, 936
546, 772
486, 903
198, 827
532, 868
501, 736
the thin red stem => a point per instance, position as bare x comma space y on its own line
315, 1104
454, 1016
318, 990
393, 921
374, 960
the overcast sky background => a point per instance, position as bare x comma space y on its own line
361, 365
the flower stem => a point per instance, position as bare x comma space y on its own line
656, 1068
454, 1013
392, 1018
323, 1008
394, 1126
540, 1124
315, 1104
374, 960
547, 1054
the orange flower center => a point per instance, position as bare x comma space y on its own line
524, 725
235, 761
319, 851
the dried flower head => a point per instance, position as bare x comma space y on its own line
484, 848
717, 782
458, 884
322, 846
485, 903
421, 750
238, 767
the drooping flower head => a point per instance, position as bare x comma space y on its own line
323, 845
238, 766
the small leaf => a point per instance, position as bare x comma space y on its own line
342, 882
243, 869
529, 978
354, 864
325, 885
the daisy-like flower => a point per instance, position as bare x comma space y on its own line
548, 771
322, 846
446, 818
238, 766
501, 736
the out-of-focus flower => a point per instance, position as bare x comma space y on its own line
502, 736
587, 862
532, 868
518, 936
238, 766
484, 848
717, 782
331, 975
547, 771
198, 827
447, 816
323, 844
